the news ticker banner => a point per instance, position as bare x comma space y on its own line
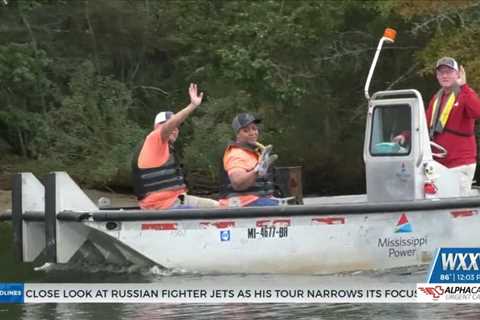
158, 293
155, 293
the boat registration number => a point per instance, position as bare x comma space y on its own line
267, 232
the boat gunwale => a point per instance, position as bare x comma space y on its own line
127, 214
253, 212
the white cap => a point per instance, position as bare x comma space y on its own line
162, 117
447, 61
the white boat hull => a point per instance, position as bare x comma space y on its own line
301, 244
339, 235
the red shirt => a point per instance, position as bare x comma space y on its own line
461, 150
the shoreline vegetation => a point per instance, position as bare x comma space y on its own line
83, 80
117, 199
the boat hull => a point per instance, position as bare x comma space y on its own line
328, 235
297, 244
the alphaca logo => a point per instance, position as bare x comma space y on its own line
435, 292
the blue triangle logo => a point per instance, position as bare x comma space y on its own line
404, 228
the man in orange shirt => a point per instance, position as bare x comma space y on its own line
158, 179
247, 180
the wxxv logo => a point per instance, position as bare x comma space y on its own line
456, 265
460, 261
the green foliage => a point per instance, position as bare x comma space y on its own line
92, 132
24, 94
82, 80
258, 57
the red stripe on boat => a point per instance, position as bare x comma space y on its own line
463, 213
329, 220
275, 222
219, 224
159, 226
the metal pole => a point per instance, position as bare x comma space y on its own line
389, 36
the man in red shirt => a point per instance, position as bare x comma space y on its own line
451, 116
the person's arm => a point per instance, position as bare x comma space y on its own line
176, 120
242, 179
402, 138
471, 101
405, 136
241, 168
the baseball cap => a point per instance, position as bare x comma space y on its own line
447, 61
162, 117
242, 120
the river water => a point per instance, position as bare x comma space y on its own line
11, 271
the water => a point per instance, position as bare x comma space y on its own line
239, 311
10, 271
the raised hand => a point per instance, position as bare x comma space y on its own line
266, 159
195, 98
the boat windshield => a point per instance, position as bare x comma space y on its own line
390, 121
